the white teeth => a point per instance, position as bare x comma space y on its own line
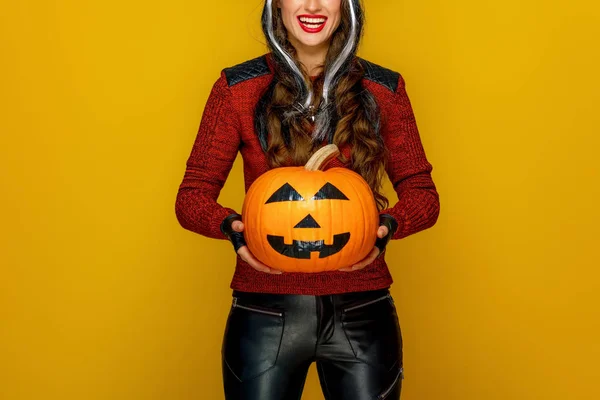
312, 20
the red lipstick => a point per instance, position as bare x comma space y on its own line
312, 23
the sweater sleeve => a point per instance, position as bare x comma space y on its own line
409, 170
212, 156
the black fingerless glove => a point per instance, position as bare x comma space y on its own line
236, 238
391, 223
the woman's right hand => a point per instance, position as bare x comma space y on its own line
247, 256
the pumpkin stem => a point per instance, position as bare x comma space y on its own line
321, 157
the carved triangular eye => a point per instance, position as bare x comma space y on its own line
285, 193
329, 192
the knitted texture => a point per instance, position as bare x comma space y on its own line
227, 126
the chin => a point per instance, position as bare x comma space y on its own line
313, 42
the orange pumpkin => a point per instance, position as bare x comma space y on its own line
304, 219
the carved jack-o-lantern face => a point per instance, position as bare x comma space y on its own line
303, 248
310, 221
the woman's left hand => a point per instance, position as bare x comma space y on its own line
381, 232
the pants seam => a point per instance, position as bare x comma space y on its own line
318, 314
322, 372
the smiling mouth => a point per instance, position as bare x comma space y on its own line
312, 23
302, 249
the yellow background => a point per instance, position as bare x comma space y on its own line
104, 296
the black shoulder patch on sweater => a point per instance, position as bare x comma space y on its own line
381, 75
247, 70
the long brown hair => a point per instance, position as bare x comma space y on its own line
350, 117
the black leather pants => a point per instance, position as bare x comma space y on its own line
270, 341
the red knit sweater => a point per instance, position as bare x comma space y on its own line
227, 127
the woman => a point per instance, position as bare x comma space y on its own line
277, 110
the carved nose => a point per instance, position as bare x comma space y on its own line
308, 222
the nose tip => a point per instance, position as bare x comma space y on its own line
313, 6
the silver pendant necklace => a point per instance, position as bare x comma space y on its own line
311, 113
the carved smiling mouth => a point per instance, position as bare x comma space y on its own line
302, 249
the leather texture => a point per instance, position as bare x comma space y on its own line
236, 238
247, 70
258, 66
390, 222
381, 75
271, 340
